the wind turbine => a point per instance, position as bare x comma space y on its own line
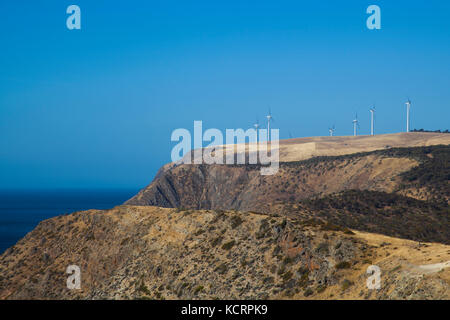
256, 125
372, 116
269, 118
408, 106
355, 124
331, 130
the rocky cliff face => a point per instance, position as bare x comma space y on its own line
157, 253
406, 190
244, 188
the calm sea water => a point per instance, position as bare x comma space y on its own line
21, 211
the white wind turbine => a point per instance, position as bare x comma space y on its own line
408, 106
269, 118
331, 130
372, 116
355, 125
256, 125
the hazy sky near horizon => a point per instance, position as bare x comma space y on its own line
95, 108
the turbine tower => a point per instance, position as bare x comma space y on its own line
355, 124
408, 106
372, 115
331, 130
269, 118
256, 125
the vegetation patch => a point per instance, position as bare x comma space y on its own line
221, 269
308, 292
386, 213
198, 289
286, 276
216, 241
263, 229
236, 221
228, 245
346, 284
143, 288
343, 265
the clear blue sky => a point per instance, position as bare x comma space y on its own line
95, 108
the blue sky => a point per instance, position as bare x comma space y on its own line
95, 108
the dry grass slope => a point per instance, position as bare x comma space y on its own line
158, 253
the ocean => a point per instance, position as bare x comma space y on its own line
21, 211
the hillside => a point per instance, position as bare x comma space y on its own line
381, 212
335, 206
159, 253
415, 178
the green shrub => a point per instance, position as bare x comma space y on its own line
216, 241
323, 248
222, 268
228, 245
321, 288
308, 292
346, 284
198, 289
143, 288
236, 221
199, 232
287, 276
287, 260
343, 265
